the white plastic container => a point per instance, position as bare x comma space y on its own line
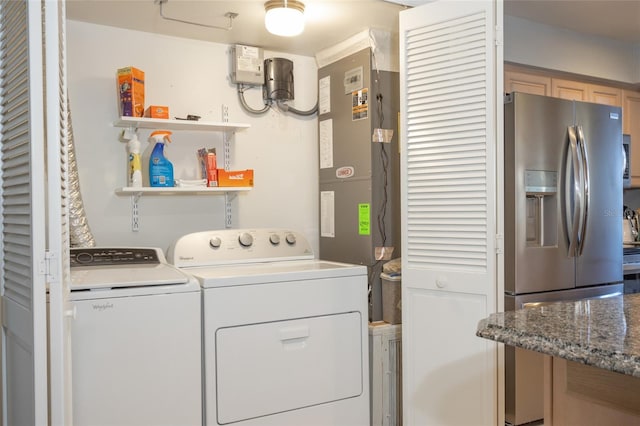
135, 163
391, 298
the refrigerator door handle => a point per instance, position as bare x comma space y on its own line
573, 205
582, 144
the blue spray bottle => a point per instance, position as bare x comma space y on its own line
160, 169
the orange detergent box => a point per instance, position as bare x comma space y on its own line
157, 111
235, 177
131, 90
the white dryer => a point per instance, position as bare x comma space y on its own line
136, 339
285, 335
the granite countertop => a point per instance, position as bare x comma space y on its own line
603, 333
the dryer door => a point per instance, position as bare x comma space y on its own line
279, 366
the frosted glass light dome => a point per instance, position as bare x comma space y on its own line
284, 17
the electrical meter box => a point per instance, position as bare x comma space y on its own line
247, 65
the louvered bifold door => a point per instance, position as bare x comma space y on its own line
450, 112
58, 276
23, 288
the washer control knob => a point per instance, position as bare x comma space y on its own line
291, 238
245, 239
274, 239
215, 242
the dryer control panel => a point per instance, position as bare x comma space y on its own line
229, 246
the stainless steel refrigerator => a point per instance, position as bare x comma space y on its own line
563, 204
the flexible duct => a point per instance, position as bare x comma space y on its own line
79, 231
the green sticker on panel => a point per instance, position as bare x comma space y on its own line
364, 219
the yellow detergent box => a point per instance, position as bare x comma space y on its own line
235, 177
131, 91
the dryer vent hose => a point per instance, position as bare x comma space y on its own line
79, 231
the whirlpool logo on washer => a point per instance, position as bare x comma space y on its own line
100, 307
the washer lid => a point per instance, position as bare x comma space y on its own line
109, 267
116, 276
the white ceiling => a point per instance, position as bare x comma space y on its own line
614, 19
329, 22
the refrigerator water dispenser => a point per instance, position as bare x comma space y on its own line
541, 208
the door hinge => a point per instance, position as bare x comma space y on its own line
499, 244
498, 36
51, 272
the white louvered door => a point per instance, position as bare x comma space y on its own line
32, 164
59, 277
451, 112
24, 317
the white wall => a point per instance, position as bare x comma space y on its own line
191, 77
531, 43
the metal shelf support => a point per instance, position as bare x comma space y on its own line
228, 213
135, 212
226, 147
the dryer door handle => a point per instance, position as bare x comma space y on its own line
294, 333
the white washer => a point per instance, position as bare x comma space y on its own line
136, 339
285, 335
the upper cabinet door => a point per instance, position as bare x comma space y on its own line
527, 83
631, 126
451, 178
605, 95
571, 90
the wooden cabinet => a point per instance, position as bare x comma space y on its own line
568, 89
581, 91
605, 95
578, 394
631, 126
516, 80
527, 83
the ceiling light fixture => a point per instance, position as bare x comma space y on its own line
284, 17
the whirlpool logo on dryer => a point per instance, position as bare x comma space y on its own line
102, 306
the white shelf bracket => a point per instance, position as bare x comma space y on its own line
135, 213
